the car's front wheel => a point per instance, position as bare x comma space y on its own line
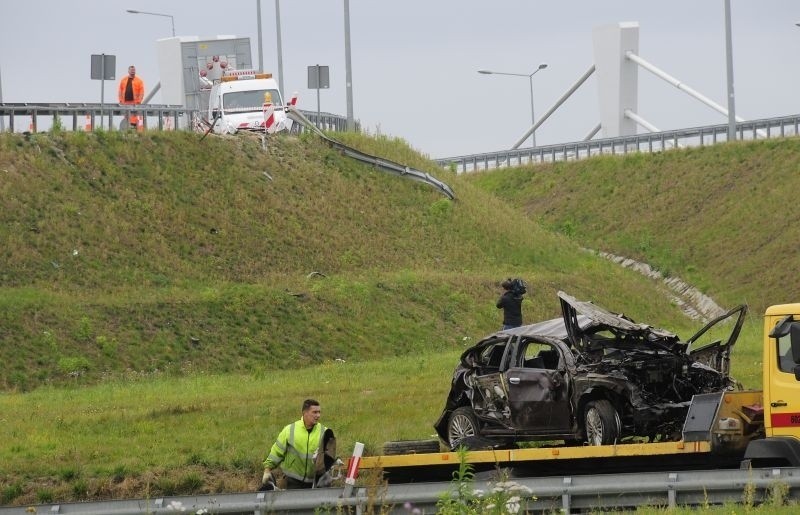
601, 423
462, 424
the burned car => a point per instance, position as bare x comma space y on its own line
591, 376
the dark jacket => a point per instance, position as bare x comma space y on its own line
512, 309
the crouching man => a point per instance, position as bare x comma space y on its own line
305, 450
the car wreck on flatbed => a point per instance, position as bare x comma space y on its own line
591, 376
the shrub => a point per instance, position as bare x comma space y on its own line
190, 483
504, 497
74, 366
44, 496
10, 493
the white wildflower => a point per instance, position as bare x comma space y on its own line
512, 505
175, 506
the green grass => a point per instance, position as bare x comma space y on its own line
118, 433
720, 217
158, 253
160, 320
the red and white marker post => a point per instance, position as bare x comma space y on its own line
352, 469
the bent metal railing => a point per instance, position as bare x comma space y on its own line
37, 117
380, 163
653, 142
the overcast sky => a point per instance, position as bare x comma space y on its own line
415, 62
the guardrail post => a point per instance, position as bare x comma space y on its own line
260, 498
671, 493
566, 501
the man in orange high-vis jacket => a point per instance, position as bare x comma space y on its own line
131, 91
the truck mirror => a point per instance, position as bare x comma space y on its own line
215, 113
781, 329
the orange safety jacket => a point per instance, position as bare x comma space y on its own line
138, 90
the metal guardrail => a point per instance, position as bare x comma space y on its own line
35, 117
380, 163
87, 117
653, 142
568, 494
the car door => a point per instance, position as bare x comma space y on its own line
489, 390
712, 344
538, 389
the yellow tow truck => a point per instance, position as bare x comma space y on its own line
728, 429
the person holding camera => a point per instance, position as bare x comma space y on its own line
511, 302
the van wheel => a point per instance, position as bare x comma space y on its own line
601, 423
462, 424
410, 447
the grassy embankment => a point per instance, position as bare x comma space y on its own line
160, 286
722, 217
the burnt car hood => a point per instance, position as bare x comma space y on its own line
715, 355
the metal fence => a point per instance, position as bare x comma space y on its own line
653, 142
552, 495
37, 117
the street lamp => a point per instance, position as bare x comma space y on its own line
172, 18
530, 79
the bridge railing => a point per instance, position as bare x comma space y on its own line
37, 117
652, 142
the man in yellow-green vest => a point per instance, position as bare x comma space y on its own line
300, 450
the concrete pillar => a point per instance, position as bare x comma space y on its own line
617, 76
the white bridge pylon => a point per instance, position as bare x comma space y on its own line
616, 64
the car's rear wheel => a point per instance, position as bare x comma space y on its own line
462, 424
601, 423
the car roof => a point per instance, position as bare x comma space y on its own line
553, 328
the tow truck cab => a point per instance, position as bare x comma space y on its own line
236, 102
781, 389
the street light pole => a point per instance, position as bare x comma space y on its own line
348, 68
172, 18
729, 63
279, 48
260, 38
542, 66
533, 117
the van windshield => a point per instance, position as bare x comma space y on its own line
252, 100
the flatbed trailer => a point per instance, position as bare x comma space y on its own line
546, 461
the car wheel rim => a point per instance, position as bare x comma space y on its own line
460, 428
594, 427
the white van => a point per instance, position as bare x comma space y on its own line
237, 102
